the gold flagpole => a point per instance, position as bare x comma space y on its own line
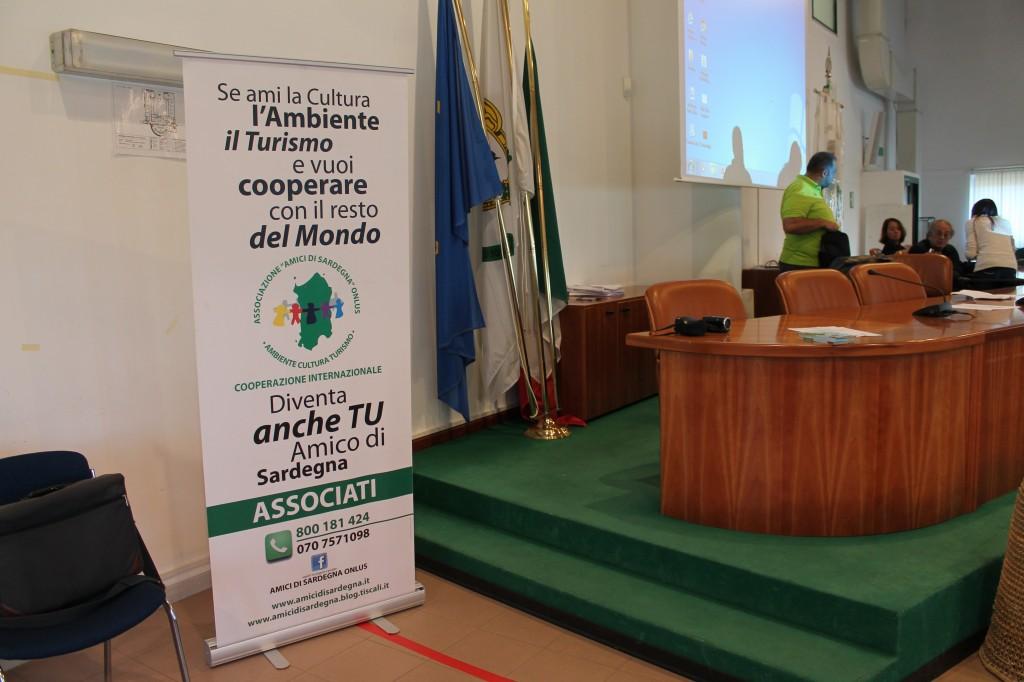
513, 301
546, 428
506, 248
534, 295
467, 52
524, 356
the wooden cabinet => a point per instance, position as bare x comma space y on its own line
598, 372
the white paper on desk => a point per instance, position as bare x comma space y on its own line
839, 331
984, 295
599, 290
980, 306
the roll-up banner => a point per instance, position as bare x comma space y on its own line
298, 186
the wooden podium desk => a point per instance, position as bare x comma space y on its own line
764, 432
766, 297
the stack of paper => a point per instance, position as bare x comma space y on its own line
980, 306
985, 295
838, 331
595, 290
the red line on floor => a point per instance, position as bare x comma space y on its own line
435, 655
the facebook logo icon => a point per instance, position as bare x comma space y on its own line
318, 562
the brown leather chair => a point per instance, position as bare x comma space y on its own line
805, 292
934, 269
696, 298
873, 289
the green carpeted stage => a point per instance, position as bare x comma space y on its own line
571, 530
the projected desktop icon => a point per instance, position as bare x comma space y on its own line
704, 61
704, 98
693, 94
689, 18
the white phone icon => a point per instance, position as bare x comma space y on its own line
273, 546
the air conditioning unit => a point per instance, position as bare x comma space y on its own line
879, 69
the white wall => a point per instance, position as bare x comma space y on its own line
97, 338
860, 106
689, 230
583, 54
682, 230
970, 93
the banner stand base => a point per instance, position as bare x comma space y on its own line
386, 625
277, 659
217, 655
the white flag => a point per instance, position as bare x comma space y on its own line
508, 136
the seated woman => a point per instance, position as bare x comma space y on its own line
990, 240
891, 239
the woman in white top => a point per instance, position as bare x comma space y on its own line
990, 240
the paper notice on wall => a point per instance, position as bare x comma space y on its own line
149, 121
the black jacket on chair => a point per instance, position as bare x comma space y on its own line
833, 245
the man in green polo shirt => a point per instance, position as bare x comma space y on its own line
805, 215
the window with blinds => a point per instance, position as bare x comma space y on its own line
1005, 186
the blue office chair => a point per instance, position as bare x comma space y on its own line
23, 474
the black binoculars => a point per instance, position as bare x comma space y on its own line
693, 326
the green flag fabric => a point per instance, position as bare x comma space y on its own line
559, 291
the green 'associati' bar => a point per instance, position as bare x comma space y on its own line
232, 517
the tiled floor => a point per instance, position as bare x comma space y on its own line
969, 670
456, 621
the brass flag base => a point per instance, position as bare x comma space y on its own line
546, 429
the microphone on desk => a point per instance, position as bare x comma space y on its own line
943, 309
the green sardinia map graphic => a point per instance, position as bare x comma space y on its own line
312, 294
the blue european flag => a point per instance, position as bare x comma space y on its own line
464, 176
